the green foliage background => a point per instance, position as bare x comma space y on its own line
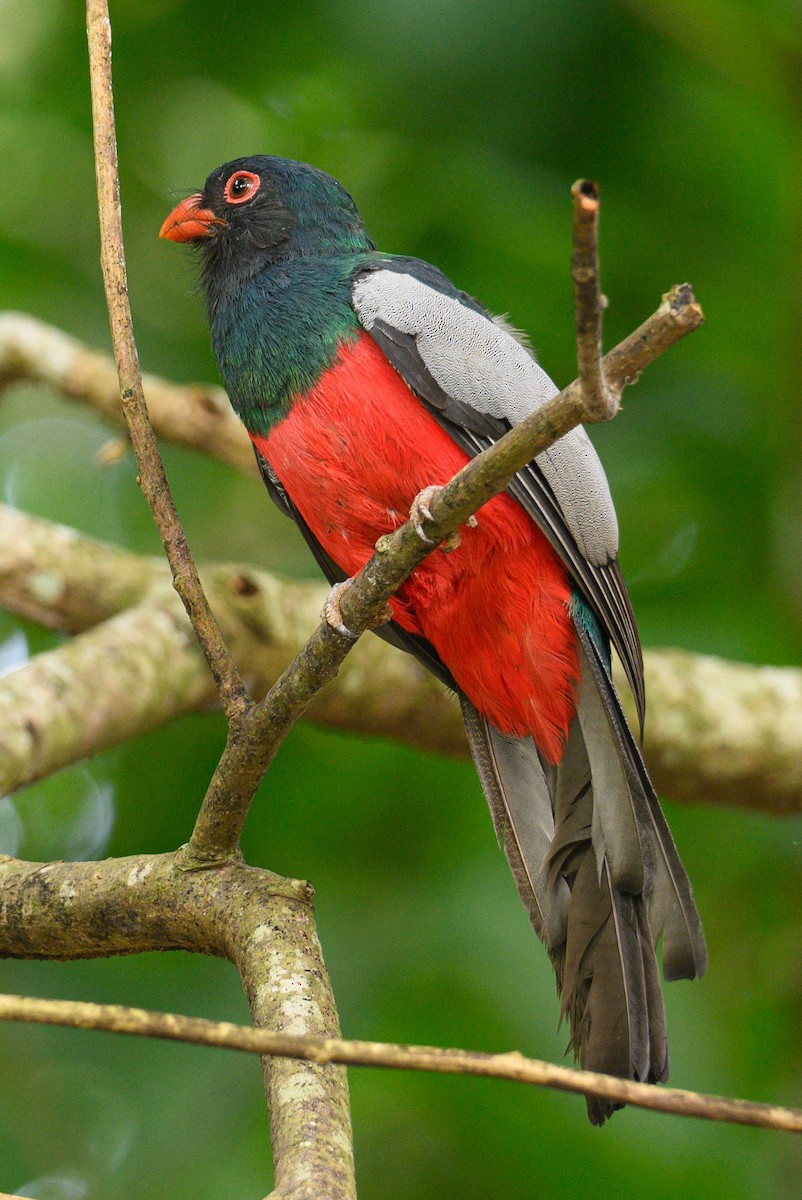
459, 128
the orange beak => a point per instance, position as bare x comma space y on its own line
189, 221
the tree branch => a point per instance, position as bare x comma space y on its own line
198, 417
62, 579
325, 1158
143, 663
717, 732
724, 732
601, 401
137, 1022
260, 922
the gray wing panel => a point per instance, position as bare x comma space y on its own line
476, 364
426, 332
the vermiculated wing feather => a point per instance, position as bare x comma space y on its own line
402, 351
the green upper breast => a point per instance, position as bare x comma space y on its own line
275, 334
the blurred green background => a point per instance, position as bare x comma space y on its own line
459, 128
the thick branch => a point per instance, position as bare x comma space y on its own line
258, 921
199, 417
716, 731
64, 580
138, 1022
724, 732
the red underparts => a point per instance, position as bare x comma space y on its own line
353, 453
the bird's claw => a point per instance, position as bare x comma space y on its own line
331, 611
420, 511
332, 615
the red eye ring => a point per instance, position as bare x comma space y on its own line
241, 187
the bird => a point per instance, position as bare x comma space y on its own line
365, 381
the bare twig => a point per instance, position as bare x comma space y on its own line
138, 1022
151, 469
601, 402
326, 1158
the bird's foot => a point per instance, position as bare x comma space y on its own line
332, 616
420, 511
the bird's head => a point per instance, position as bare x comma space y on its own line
264, 209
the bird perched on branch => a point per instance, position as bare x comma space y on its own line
363, 380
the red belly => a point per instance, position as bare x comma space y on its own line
353, 453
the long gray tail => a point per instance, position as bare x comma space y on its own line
598, 872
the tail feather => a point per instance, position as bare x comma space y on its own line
603, 985
597, 869
620, 808
658, 1034
671, 906
606, 971
520, 804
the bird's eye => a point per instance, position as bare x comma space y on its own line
241, 186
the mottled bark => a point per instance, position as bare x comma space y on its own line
199, 417
724, 732
260, 922
716, 732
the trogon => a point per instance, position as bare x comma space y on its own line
365, 378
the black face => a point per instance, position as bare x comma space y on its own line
247, 199
259, 211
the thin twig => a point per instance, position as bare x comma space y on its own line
138, 1022
321, 1153
601, 402
152, 478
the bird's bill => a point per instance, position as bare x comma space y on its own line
189, 220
